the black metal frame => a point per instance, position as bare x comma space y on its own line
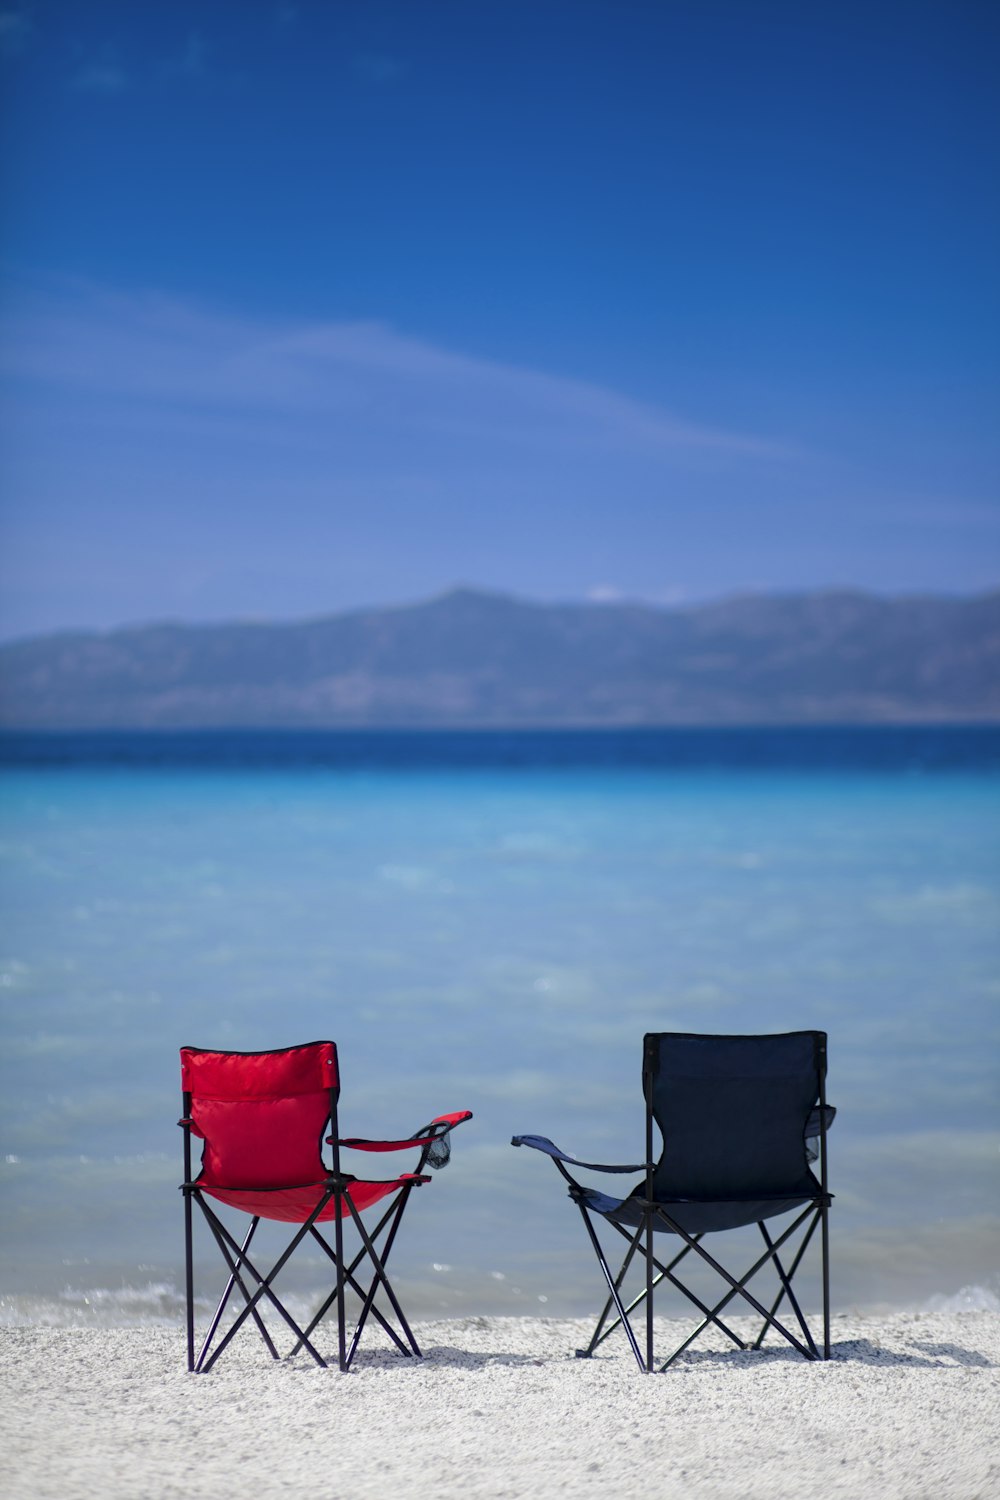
814, 1214
336, 1187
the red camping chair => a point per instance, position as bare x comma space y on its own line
262, 1116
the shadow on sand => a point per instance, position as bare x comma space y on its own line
914, 1354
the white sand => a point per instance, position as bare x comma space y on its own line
908, 1407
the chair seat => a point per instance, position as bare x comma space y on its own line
693, 1217
294, 1205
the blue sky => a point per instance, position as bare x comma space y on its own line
314, 305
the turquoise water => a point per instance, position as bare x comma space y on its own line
497, 939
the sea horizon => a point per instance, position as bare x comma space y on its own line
973, 744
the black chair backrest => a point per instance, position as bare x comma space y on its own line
732, 1111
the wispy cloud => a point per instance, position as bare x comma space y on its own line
159, 349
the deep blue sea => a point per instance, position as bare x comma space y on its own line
492, 921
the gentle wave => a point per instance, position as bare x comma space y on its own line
967, 1299
155, 1305
161, 1305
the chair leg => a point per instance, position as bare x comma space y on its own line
338, 1235
365, 1297
710, 1314
598, 1335
346, 1277
825, 1239
666, 1273
189, 1277
648, 1220
786, 1287
737, 1287
663, 1273
324, 1308
382, 1277
369, 1302
788, 1278
235, 1280
264, 1284
612, 1288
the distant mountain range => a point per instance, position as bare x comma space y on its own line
471, 659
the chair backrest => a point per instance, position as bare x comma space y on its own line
732, 1111
262, 1115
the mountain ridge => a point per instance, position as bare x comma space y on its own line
469, 657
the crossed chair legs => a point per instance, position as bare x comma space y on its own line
241, 1268
693, 1242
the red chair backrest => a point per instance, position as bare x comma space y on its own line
262, 1115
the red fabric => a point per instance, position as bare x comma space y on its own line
260, 1114
265, 1143
260, 1075
293, 1205
357, 1143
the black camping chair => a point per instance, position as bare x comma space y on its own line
742, 1119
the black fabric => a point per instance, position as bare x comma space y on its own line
733, 1112
739, 1121
693, 1218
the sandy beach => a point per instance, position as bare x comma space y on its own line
500, 1407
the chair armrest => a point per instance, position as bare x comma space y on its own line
818, 1118
448, 1122
432, 1139
357, 1143
814, 1123
542, 1143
